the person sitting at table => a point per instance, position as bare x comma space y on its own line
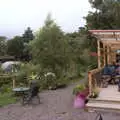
112, 71
106, 75
107, 70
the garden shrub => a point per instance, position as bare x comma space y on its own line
21, 78
50, 81
5, 79
5, 88
25, 73
78, 89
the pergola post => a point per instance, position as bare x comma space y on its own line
14, 82
108, 55
111, 59
99, 54
90, 82
104, 55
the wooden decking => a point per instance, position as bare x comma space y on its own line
110, 93
109, 98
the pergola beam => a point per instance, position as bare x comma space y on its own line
110, 40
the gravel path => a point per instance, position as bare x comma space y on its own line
56, 105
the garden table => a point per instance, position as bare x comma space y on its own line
21, 90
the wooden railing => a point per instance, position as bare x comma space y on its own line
94, 79
8, 76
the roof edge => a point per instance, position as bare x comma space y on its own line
92, 31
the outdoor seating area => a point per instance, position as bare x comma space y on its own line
110, 75
29, 93
58, 62
108, 44
106, 77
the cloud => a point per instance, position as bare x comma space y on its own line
16, 15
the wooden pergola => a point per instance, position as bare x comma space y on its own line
108, 43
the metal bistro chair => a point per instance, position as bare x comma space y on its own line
105, 80
98, 115
33, 92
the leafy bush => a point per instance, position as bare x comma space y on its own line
62, 82
6, 99
50, 81
21, 77
5, 89
1, 70
5, 79
47, 80
78, 89
25, 73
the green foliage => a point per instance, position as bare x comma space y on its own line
6, 99
1, 70
106, 16
78, 89
28, 35
95, 93
5, 89
3, 46
5, 79
25, 73
49, 48
15, 46
18, 46
49, 82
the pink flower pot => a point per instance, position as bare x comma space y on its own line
79, 102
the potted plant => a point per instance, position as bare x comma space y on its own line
95, 93
78, 89
81, 92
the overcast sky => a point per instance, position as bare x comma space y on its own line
17, 15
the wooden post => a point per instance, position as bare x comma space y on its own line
108, 55
13, 82
113, 55
104, 55
99, 55
90, 82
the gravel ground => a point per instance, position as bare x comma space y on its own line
55, 105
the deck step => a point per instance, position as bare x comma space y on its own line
104, 101
100, 105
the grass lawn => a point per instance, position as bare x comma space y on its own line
6, 99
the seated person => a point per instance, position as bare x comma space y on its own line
107, 74
107, 70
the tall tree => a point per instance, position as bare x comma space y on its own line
28, 35
15, 46
105, 16
49, 47
3, 45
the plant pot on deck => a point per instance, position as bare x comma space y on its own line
95, 93
93, 96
